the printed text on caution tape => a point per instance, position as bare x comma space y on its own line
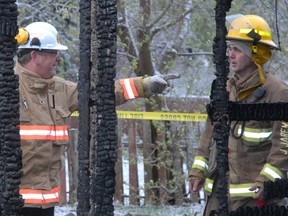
162, 116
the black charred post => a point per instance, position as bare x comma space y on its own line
219, 102
103, 136
98, 120
268, 210
10, 152
276, 189
83, 190
241, 111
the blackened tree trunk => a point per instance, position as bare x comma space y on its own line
84, 117
219, 101
98, 136
103, 135
10, 152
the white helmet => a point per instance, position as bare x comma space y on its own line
39, 35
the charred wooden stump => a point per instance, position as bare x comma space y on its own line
84, 117
10, 152
98, 120
219, 102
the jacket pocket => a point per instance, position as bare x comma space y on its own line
258, 158
61, 126
62, 113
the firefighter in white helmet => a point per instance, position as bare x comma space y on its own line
257, 149
46, 102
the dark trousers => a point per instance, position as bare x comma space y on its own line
37, 211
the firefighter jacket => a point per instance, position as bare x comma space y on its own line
45, 105
258, 150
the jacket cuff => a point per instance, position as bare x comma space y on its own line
261, 179
197, 173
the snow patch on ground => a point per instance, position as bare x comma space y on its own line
120, 210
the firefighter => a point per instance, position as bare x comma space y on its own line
46, 102
257, 149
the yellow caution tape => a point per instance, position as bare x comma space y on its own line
162, 116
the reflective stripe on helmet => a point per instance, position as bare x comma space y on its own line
271, 172
40, 132
200, 163
42, 197
129, 88
261, 33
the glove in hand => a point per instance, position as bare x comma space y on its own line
158, 84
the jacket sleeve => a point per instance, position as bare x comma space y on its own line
277, 160
128, 89
72, 95
200, 165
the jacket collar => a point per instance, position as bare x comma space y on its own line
245, 85
31, 78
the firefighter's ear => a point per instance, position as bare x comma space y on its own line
35, 57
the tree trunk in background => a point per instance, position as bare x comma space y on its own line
147, 149
133, 169
72, 155
119, 167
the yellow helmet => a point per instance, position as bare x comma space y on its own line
251, 28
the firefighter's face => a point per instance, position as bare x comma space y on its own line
48, 62
239, 62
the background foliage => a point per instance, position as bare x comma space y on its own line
169, 34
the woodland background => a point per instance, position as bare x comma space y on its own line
161, 37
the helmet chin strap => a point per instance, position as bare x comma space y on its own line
261, 74
259, 58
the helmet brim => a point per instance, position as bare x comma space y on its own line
265, 42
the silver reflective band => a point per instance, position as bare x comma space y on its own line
129, 89
201, 163
241, 190
271, 172
255, 134
208, 185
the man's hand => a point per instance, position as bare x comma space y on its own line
259, 191
196, 184
158, 84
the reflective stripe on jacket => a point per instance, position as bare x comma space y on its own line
208, 185
255, 134
200, 163
129, 88
40, 132
271, 172
41, 197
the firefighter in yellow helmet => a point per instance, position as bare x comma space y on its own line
257, 149
46, 102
